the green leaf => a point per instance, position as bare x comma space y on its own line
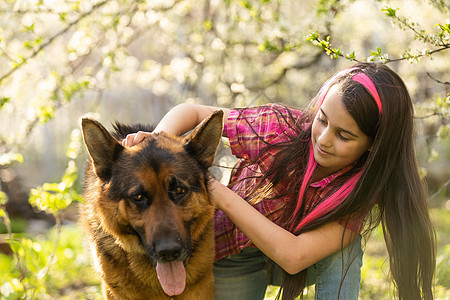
53, 187
16, 285
351, 56
29, 28
313, 37
3, 101
390, 12
444, 28
434, 155
267, 46
15, 245
3, 198
46, 113
9, 158
443, 132
208, 25
246, 4
63, 17
53, 197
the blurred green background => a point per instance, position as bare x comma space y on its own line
132, 61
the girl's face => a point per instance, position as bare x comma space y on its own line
336, 137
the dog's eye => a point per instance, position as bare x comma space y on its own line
177, 191
180, 190
141, 199
137, 198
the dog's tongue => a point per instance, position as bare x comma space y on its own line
172, 277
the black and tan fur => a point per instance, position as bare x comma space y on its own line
149, 204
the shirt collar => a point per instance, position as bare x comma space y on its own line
325, 181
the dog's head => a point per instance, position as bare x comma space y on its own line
153, 197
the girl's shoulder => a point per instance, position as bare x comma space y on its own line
282, 109
288, 117
252, 129
270, 112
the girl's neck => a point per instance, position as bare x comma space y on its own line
320, 173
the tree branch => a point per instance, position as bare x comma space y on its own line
429, 116
51, 39
438, 81
444, 47
439, 191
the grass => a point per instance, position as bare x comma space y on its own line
71, 275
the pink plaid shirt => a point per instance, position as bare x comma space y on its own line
249, 131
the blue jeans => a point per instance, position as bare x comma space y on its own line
244, 276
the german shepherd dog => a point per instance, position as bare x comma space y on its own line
147, 212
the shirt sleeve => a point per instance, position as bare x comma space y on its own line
353, 223
250, 130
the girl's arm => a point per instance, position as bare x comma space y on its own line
292, 253
178, 120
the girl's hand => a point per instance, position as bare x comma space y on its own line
135, 138
177, 121
217, 192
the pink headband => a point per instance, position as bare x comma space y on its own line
368, 84
360, 78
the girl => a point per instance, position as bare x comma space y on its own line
309, 183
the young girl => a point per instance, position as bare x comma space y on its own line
309, 183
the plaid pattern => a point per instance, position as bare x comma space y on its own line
249, 131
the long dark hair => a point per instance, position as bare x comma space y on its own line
386, 177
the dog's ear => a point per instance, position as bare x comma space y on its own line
102, 147
204, 139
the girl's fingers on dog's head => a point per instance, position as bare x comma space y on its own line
133, 139
128, 140
140, 136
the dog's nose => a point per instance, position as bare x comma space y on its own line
169, 250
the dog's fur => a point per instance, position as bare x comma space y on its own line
148, 206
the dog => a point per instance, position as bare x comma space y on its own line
147, 213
